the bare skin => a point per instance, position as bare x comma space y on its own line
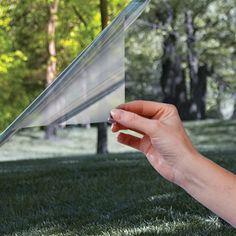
171, 153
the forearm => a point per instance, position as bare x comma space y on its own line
171, 153
211, 185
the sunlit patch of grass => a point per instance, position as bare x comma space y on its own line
30, 143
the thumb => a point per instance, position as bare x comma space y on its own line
135, 122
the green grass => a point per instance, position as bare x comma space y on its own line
30, 144
118, 194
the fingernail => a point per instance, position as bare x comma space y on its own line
110, 120
115, 113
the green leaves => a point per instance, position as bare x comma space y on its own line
24, 53
214, 25
11, 60
24, 45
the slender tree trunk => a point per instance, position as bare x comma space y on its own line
234, 113
52, 62
104, 13
198, 75
220, 93
203, 72
102, 128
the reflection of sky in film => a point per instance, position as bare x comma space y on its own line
90, 87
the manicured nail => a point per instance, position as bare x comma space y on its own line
115, 114
110, 120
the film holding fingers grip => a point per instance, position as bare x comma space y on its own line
93, 84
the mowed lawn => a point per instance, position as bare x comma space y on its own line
117, 194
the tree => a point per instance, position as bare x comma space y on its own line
173, 77
102, 128
205, 35
52, 60
194, 45
13, 97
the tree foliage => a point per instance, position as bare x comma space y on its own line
184, 41
24, 48
24, 45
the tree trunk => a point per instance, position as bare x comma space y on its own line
102, 139
104, 13
173, 78
173, 82
234, 113
198, 75
203, 72
102, 128
52, 62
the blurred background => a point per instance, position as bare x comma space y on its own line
178, 52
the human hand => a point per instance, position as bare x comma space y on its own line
170, 151
165, 142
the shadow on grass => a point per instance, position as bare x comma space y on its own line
91, 195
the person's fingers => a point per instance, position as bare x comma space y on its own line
141, 144
149, 109
117, 127
129, 140
135, 122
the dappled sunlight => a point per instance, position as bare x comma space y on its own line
30, 143
111, 195
213, 133
147, 228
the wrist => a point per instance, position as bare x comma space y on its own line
211, 185
186, 172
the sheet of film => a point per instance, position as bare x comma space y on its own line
90, 86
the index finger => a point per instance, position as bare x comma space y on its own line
147, 109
